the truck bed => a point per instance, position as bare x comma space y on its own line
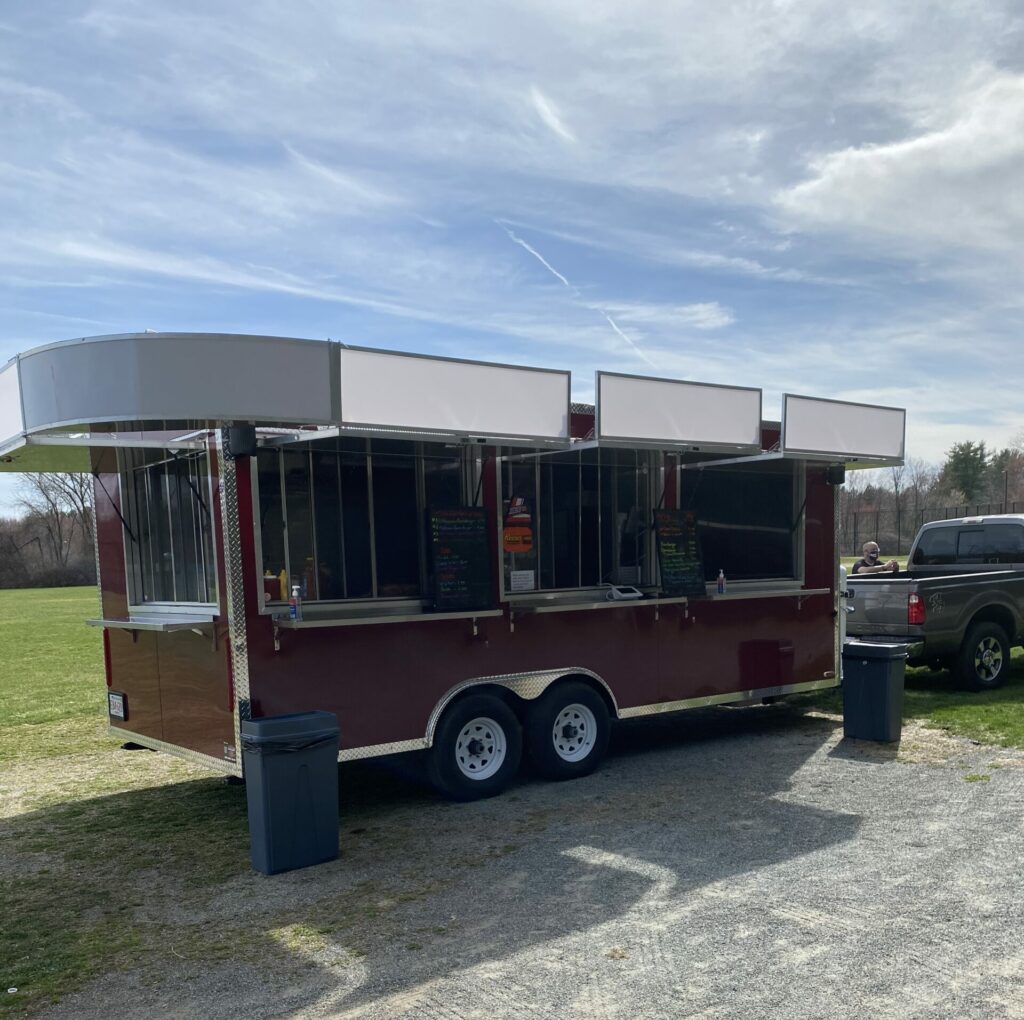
951, 603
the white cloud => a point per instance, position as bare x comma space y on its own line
547, 113
958, 183
706, 315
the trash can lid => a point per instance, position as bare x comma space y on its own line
873, 650
298, 724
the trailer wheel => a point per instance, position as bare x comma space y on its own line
984, 657
567, 731
477, 749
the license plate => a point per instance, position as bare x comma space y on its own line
115, 705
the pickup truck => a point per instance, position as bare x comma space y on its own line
958, 605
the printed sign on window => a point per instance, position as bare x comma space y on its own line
521, 580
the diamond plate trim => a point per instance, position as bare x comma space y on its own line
373, 750
234, 592
837, 651
527, 685
186, 754
96, 545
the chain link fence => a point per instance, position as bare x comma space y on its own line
894, 530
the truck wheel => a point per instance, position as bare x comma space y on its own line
567, 731
477, 749
984, 657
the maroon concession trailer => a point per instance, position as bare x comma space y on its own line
481, 569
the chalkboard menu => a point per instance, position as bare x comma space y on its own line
682, 572
461, 558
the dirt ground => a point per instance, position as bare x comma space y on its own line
727, 863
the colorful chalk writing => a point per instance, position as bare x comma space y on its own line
682, 572
461, 558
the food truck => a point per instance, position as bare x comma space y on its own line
451, 556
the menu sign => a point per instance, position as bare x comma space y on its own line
461, 558
682, 572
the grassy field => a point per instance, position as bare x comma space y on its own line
81, 822
88, 831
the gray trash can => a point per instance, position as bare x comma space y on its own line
873, 690
291, 784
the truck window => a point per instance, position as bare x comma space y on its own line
936, 547
970, 545
1004, 543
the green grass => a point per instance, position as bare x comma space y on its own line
81, 822
51, 673
932, 697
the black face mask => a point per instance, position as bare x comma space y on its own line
872, 556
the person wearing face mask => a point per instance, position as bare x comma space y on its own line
871, 564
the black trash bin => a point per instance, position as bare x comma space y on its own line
873, 690
291, 780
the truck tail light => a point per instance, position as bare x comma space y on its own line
915, 609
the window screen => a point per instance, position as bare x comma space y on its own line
747, 519
576, 520
167, 507
354, 513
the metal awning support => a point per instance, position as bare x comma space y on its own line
69, 452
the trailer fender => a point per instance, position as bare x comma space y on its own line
527, 686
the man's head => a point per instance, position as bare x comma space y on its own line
871, 551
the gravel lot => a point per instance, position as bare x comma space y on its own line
725, 863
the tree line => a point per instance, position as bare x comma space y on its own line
888, 505
50, 543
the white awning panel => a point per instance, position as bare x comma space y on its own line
668, 413
177, 376
385, 390
842, 431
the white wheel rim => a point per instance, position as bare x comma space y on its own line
480, 748
574, 733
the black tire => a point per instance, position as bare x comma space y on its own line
461, 771
984, 658
581, 740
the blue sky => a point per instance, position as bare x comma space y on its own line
807, 197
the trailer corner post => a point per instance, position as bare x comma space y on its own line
234, 590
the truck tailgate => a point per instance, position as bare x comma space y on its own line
879, 607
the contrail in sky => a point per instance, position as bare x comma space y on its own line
575, 291
540, 258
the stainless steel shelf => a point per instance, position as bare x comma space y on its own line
769, 593
155, 622
564, 606
311, 622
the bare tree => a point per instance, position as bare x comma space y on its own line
62, 506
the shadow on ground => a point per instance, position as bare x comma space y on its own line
423, 887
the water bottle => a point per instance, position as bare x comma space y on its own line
295, 603
721, 582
